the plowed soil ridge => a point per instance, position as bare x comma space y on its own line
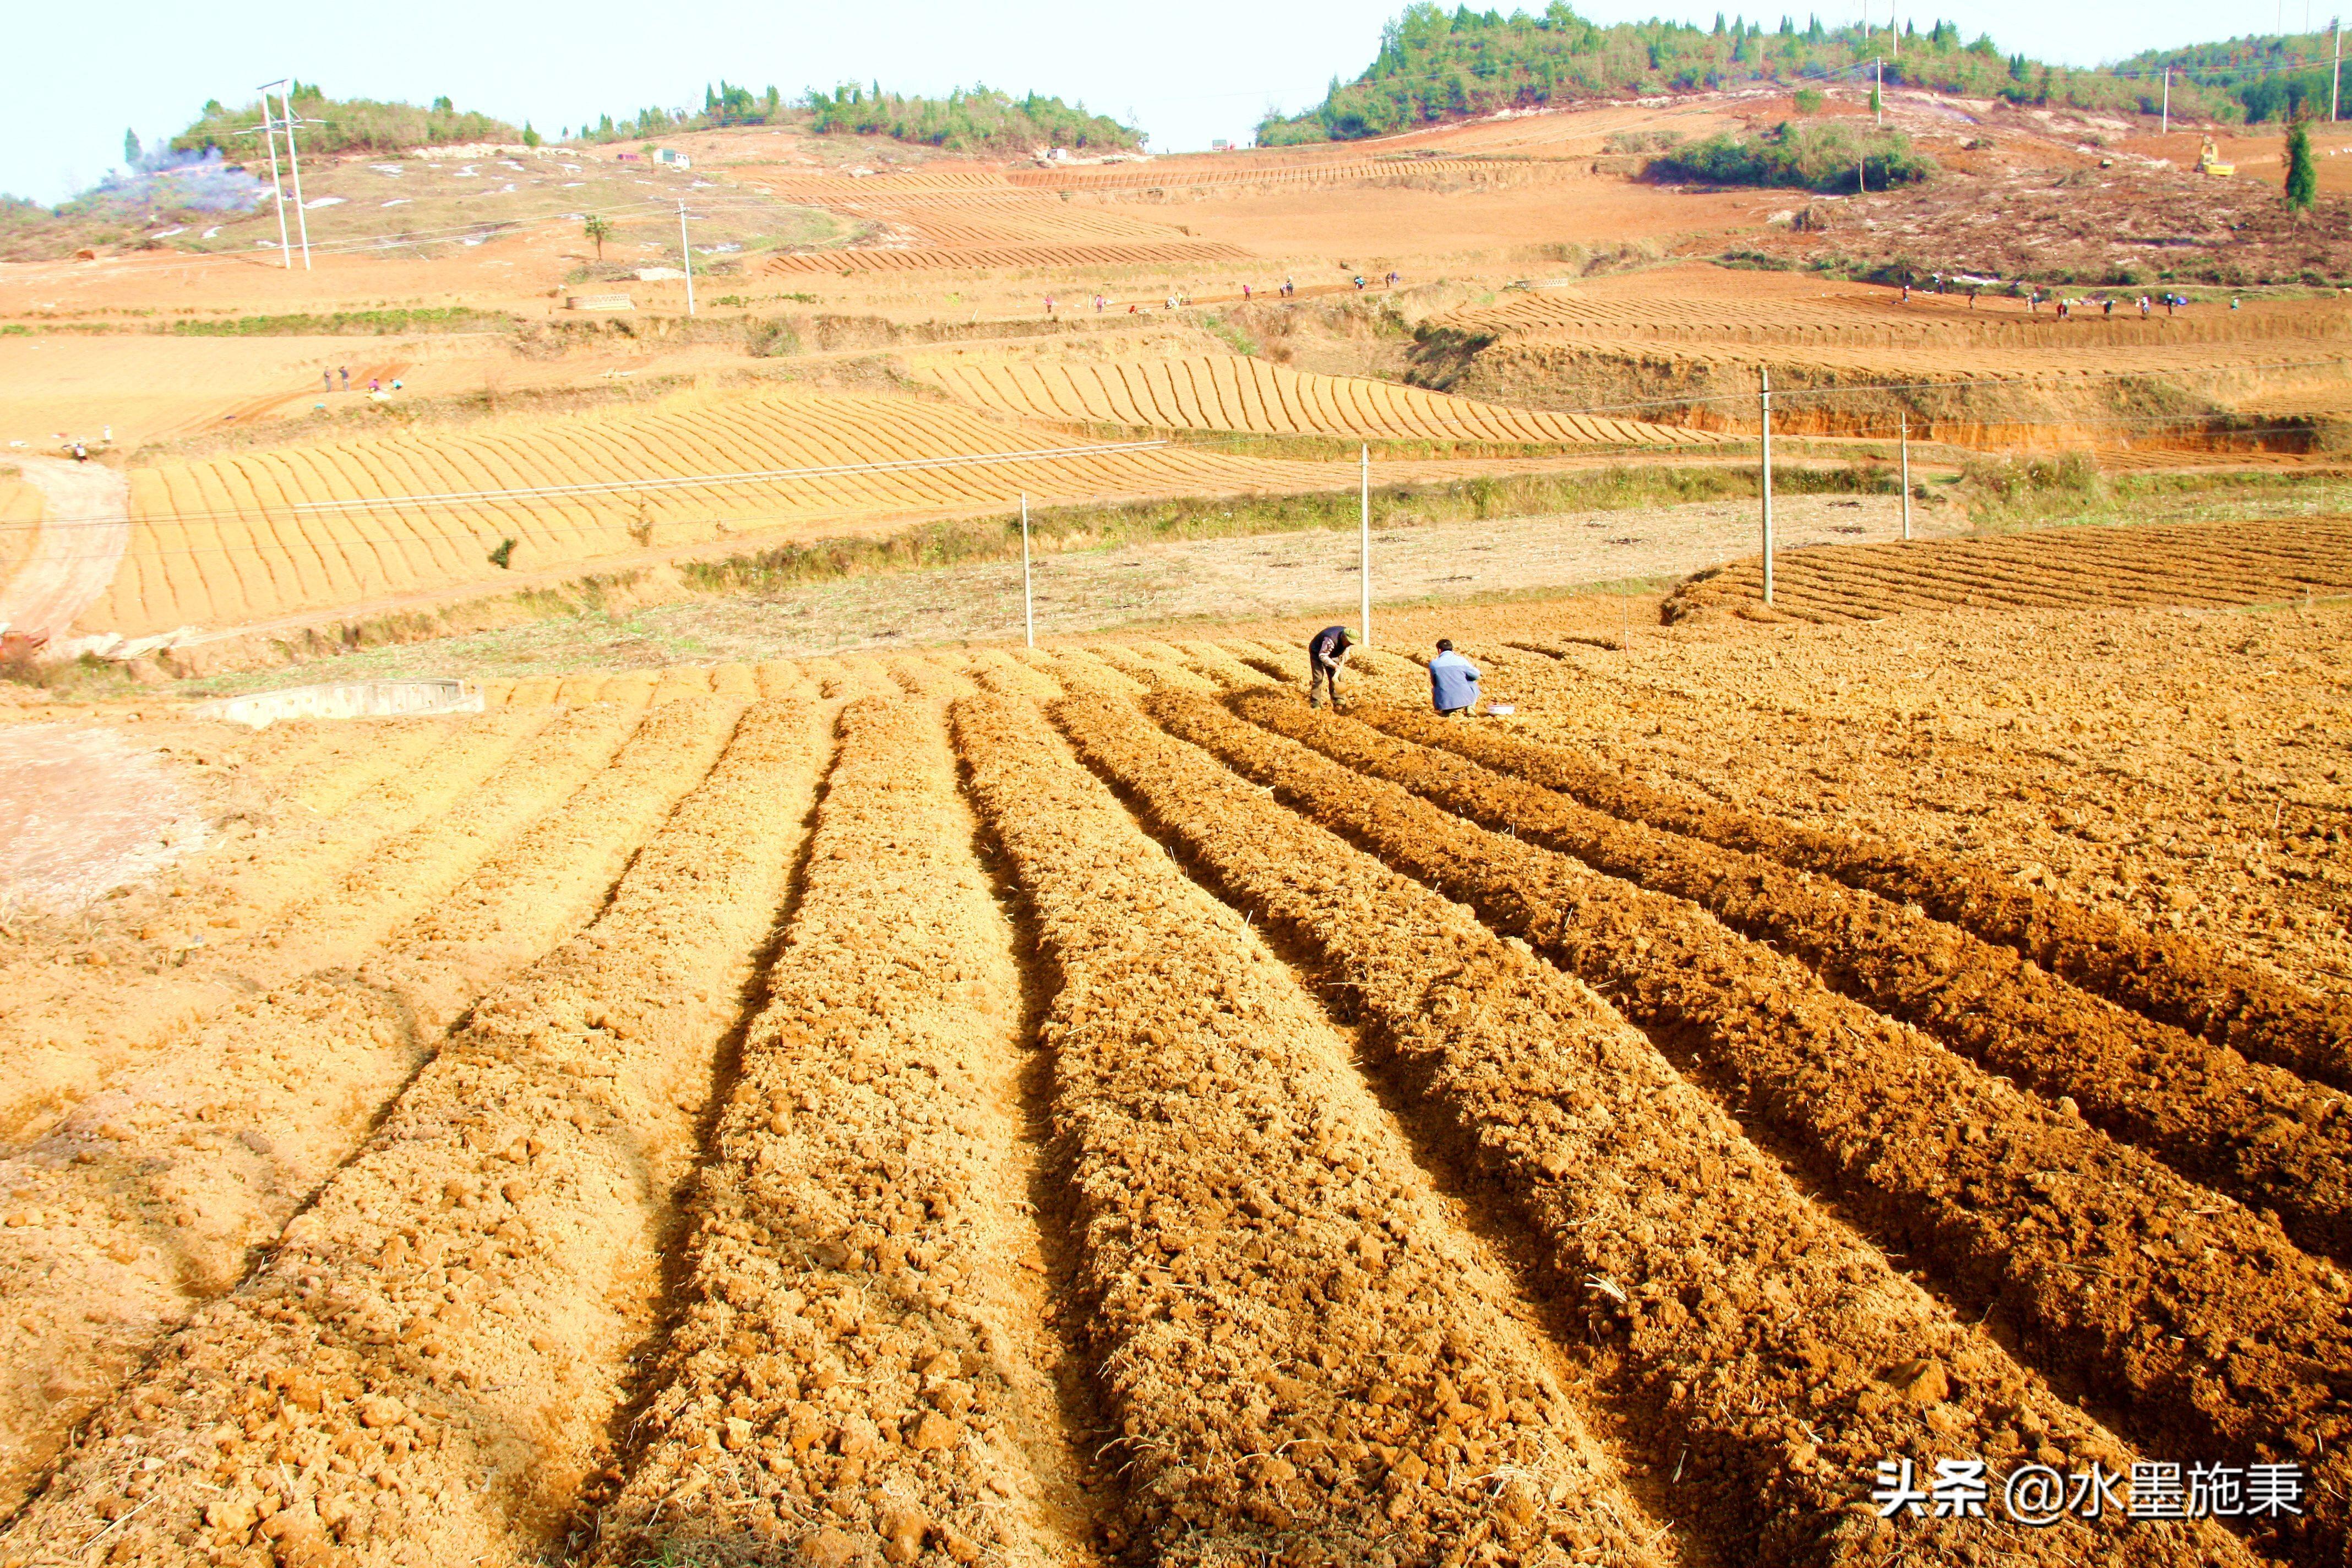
381, 1391
172, 1176
303, 907
983, 258
1731, 1304
2172, 979
850, 1370
2152, 564
2258, 1132
1221, 392
2201, 1326
1301, 1352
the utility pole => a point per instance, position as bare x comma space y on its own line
269, 134
686, 252
1879, 92
1364, 536
1767, 487
2336, 82
293, 160
1907, 477
2167, 101
1028, 604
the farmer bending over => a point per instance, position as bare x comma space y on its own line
1452, 681
1325, 657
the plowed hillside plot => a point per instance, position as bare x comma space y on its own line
148, 388
1688, 306
2190, 564
1222, 393
979, 258
247, 537
974, 219
1039, 1106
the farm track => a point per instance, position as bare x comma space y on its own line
2171, 979
2257, 1132
380, 1392
1300, 1350
312, 903
862, 1362
2202, 1327
161, 1187
1765, 1354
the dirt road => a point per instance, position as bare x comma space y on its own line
80, 544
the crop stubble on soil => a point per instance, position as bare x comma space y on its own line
1276, 1297
2199, 1325
1765, 1354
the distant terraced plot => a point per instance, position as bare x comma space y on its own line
1210, 391
249, 537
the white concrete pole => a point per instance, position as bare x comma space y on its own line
294, 163
2336, 82
685, 253
1907, 477
269, 134
1364, 535
1028, 603
1767, 487
2167, 101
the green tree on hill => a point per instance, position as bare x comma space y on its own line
598, 231
1434, 66
2302, 173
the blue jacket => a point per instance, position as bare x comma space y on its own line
1453, 682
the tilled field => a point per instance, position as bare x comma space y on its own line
2188, 564
1228, 392
1084, 1107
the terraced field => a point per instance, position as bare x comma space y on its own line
1225, 393
1083, 1106
246, 537
957, 219
2209, 564
956, 258
1776, 312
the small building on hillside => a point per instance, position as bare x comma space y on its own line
674, 158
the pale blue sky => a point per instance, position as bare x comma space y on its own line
1185, 73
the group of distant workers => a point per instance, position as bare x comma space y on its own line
2066, 307
327, 380
1453, 679
1102, 302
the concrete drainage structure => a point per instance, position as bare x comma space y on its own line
348, 700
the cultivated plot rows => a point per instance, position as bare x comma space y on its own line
1225, 393
1875, 317
1092, 1117
2197, 563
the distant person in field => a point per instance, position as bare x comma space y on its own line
345, 372
1972, 298
1245, 293
1327, 655
2107, 306
2143, 306
326, 381
1452, 681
